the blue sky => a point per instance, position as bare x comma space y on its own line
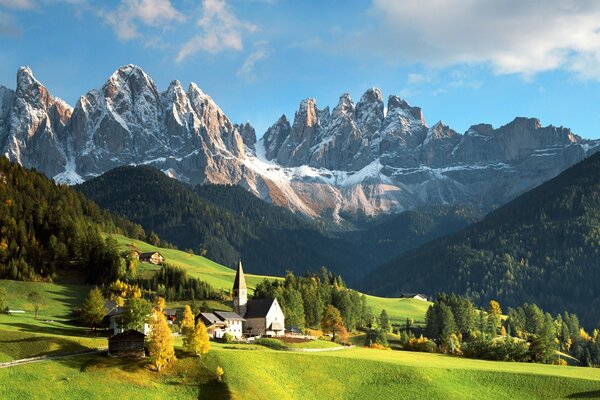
462, 61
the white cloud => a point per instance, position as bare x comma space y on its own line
9, 26
18, 4
246, 71
127, 18
512, 36
220, 30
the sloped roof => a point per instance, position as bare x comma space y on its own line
170, 312
130, 334
150, 254
112, 308
258, 308
209, 319
228, 316
240, 280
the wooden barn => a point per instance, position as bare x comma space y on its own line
153, 257
127, 344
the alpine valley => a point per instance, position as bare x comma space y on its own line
356, 162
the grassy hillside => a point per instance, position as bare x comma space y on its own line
22, 336
222, 277
255, 373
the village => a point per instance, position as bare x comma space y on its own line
250, 318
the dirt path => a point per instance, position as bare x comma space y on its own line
30, 360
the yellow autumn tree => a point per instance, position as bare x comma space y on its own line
161, 304
161, 341
187, 324
198, 341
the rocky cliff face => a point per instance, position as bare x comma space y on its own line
357, 159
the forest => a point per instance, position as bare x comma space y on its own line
541, 248
46, 229
527, 334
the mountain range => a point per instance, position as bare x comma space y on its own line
356, 161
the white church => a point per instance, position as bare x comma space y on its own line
257, 317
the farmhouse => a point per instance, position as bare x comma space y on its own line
153, 257
134, 254
219, 323
262, 317
114, 316
127, 344
417, 296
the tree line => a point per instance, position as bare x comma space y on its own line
527, 334
304, 299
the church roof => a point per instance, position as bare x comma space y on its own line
240, 280
258, 308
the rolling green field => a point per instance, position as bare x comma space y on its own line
221, 277
254, 373
22, 336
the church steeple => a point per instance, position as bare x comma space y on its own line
240, 291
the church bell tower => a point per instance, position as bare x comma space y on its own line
240, 292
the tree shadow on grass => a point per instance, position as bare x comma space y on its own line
214, 389
50, 329
39, 346
594, 394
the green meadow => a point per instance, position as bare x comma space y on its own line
221, 277
23, 336
252, 372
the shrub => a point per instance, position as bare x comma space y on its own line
274, 344
228, 338
421, 344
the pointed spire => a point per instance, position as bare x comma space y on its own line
240, 280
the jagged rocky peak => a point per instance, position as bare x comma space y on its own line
480, 130
31, 90
275, 136
307, 113
130, 85
248, 134
345, 106
395, 104
440, 131
369, 111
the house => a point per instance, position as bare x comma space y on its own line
417, 296
170, 314
219, 323
214, 326
262, 317
153, 257
134, 254
127, 344
112, 321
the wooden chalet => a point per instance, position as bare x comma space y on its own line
127, 344
417, 296
153, 257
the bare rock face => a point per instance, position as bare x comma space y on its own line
33, 124
248, 134
355, 160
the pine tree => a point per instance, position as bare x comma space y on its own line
198, 341
384, 321
92, 309
161, 341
